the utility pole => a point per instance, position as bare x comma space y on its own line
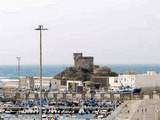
18, 69
40, 29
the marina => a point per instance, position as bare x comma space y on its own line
89, 110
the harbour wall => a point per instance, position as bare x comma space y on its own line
98, 96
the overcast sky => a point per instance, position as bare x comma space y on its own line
113, 31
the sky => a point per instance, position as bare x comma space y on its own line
113, 31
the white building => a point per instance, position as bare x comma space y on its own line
149, 79
122, 81
9, 87
72, 85
34, 83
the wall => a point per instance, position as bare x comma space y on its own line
77, 83
34, 82
122, 80
147, 81
83, 62
101, 80
114, 83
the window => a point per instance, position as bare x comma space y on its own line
115, 80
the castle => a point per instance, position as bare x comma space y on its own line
83, 62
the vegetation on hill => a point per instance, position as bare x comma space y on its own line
71, 73
108, 74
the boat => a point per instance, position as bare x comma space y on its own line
68, 115
73, 116
1, 118
100, 116
44, 116
127, 90
137, 90
4, 116
81, 111
10, 112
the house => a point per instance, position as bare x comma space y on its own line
33, 83
150, 79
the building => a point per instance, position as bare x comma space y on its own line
1, 88
10, 88
34, 83
83, 62
26, 83
100, 81
73, 86
122, 81
102, 70
150, 79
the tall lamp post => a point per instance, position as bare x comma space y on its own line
18, 69
40, 29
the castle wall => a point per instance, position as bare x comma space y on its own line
85, 63
77, 56
81, 62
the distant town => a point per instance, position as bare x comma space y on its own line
84, 81
83, 77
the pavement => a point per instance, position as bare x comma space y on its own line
148, 109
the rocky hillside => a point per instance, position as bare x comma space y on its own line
71, 73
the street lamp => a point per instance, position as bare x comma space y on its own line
18, 69
40, 29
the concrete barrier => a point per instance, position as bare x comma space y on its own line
117, 96
145, 96
155, 96
99, 96
107, 96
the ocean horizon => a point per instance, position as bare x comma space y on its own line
10, 71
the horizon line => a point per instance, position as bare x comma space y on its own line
73, 64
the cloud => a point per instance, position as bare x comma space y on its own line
113, 31
15, 5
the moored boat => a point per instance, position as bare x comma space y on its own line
81, 111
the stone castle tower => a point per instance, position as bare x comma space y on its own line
83, 62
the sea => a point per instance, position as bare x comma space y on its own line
36, 117
10, 71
